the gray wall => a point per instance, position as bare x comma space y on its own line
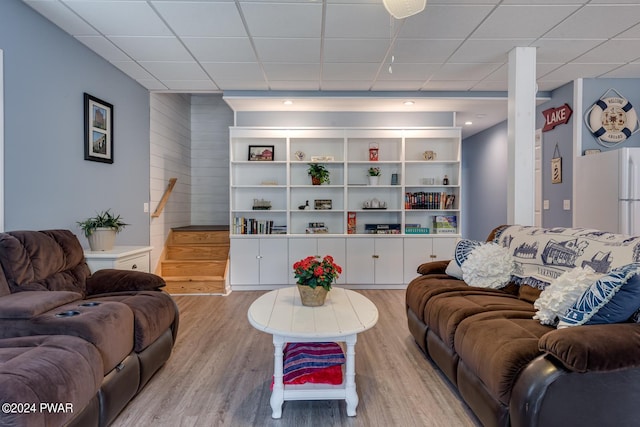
484, 178
48, 184
562, 135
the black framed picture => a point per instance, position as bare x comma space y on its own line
98, 130
261, 153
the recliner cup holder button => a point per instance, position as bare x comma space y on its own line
69, 313
89, 304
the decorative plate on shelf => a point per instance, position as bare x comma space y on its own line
299, 155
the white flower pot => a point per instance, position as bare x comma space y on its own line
373, 180
102, 239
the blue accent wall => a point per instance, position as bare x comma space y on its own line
484, 177
48, 184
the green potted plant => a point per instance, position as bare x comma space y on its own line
315, 276
374, 175
101, 230
319, 173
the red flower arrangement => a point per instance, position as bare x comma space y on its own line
315, 271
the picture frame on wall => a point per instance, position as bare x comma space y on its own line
98, 130
261, 153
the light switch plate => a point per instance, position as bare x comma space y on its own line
566, 205
545, 205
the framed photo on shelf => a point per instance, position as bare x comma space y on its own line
323, 204
98, 130
261, 153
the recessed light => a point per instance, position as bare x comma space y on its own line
287, 102
468, 123
409, 102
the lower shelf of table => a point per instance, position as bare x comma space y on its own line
314, 391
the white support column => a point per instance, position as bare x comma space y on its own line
521, 136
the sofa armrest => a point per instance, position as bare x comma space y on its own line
433, 267
594, 347
111, 280
29, 304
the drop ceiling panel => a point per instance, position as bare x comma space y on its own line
598, 21
487, 50
152, 48
355, 50
190, 85
204, 19
421, 50
288, 50
402, 71
220, 49
232, 84
283, 19
469, 72
389, 85
584, 70
522, 21
357, 21
349, 72
62, 17
103, 47
625, 71
438, 23
120, 18
294, 85
233, 71
175, 70
612, 51
346, 85
298, 72
562, 50
461, 85
152, 84
133, 69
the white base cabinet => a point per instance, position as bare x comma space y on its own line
256, 262
374, 261
418, 251
304, 247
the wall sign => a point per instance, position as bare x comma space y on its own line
611, 119
556, 166
556, 116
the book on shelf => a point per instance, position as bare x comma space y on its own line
382, 228
429, 200
415, 229
316, 228
444, 224
242, 225
351, 223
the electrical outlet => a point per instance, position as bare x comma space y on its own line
545, 205
566, 205
145, 207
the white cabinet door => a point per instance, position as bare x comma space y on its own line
244, 262
443, 248
274, 262
418, 250
388, 261
259, 262
374, 261
360, 261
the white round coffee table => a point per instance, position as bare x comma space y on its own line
344, 314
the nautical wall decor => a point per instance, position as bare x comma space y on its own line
556, 116
612, 119
556, 166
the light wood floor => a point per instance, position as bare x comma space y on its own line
220, 372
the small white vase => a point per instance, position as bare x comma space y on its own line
102, 239
373, 180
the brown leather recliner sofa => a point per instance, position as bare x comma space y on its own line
75, 348
508, 367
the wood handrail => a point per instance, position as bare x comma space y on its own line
165, 198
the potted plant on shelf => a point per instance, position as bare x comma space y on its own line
101, 230
319, 173
374, 175
315, 276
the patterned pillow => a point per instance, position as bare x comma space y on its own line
463, 248
555, 299
488, 266
315, 362
613, 298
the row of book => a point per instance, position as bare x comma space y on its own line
243, 225
429, 200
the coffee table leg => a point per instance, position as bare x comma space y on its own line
277, 395
350, 390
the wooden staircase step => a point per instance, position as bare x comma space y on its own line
199, 237
195, 285
193, 268
218, 252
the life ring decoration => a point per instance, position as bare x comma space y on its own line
612, 119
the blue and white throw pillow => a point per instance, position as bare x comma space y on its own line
464, 247
613, 298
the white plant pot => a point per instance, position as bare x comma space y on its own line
373, 180
102, 239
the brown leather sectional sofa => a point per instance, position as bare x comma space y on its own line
75, 348
512, 370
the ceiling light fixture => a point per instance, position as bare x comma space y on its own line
409, 103
287, 102
468, 123
401, 9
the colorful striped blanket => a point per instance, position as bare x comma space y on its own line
313, 362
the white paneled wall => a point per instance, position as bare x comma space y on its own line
210, 121
170, 158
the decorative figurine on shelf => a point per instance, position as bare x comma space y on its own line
445, 180
373, 152
304, 207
